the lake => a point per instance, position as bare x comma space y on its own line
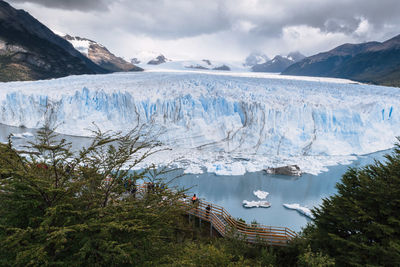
229, 191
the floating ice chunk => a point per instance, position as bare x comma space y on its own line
17, 136
256, 204
27, 135
292, 170
235, 168
193, 169
302, 210
21, 135
261, 194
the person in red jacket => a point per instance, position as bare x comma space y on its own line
194, 199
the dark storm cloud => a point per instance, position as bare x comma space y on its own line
184, 18
84, 5
238, 26
173, 18
332, 16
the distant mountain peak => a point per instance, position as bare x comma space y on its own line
372, 62
158, 60
99, 54
31, 51
255, 58
149, 57
279, 63
296, 56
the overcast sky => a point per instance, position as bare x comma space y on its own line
219, 29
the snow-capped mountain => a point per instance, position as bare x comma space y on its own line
149, 60
158, 60
206, 64
197, 65
278, 63
100, 54
222, 121
255, 58
371, 62
31, 51
149, 57
296, 56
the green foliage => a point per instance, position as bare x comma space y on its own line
220, 252
268, 257
203, 255
74, 208
360, 225
310, 259
58, 207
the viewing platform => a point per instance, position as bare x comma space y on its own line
226, 225
221, 221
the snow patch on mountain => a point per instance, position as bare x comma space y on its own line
81, 45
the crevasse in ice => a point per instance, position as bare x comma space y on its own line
232, 115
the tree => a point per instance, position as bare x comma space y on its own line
360, 225
62, 207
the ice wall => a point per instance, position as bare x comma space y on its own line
213, 113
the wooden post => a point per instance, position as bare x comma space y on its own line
211, 229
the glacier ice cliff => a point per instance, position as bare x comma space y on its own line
224, 123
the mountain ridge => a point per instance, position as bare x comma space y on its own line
278, 63
370, 62
31, 51
100, 55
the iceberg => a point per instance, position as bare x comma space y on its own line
302, 210
22, 135
228, 123
260, 194
256, 204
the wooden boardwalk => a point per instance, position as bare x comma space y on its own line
226, 225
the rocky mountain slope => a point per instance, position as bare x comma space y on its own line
371, 62
158, 60
149, 58
278, 63
207, 64
31, 51
100, 55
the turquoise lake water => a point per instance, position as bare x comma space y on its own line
229, 191
307, 190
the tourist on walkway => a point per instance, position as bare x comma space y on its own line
194, 199
208, 208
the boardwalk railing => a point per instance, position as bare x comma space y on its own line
226, 225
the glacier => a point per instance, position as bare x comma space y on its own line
226, 123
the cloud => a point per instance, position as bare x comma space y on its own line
84, 5
221, 27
